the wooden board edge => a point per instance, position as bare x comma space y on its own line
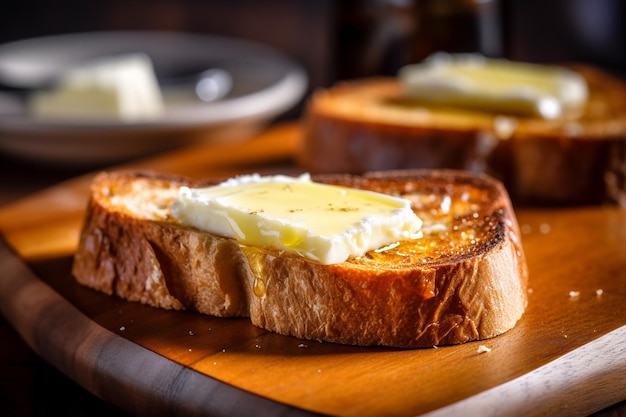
115, 369
549, 390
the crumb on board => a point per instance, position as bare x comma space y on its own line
599, 292
483, 349
574, 294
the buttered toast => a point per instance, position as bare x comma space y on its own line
463, 279
369, 124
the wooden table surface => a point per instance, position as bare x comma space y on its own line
567, 356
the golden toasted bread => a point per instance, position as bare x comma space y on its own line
369, 124
465, 279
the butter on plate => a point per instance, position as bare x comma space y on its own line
499, 85
121, 87
324, 223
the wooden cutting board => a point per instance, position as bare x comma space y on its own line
567, 355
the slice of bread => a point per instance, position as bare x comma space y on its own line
464, 280
369, 124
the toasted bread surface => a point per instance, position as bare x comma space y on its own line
465, 279
369, 124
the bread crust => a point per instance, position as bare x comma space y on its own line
367, 124
145, 256
465, 280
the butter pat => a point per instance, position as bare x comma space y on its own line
324, 223
122, 87
498, 85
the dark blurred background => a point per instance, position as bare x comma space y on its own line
336, 39
333, 40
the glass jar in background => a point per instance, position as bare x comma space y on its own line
377, 37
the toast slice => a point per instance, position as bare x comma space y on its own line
464, 280
368, 124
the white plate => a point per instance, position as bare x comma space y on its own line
265, 84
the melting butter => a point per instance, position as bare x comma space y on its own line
324, 223
498, 85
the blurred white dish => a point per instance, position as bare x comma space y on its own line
264, 84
